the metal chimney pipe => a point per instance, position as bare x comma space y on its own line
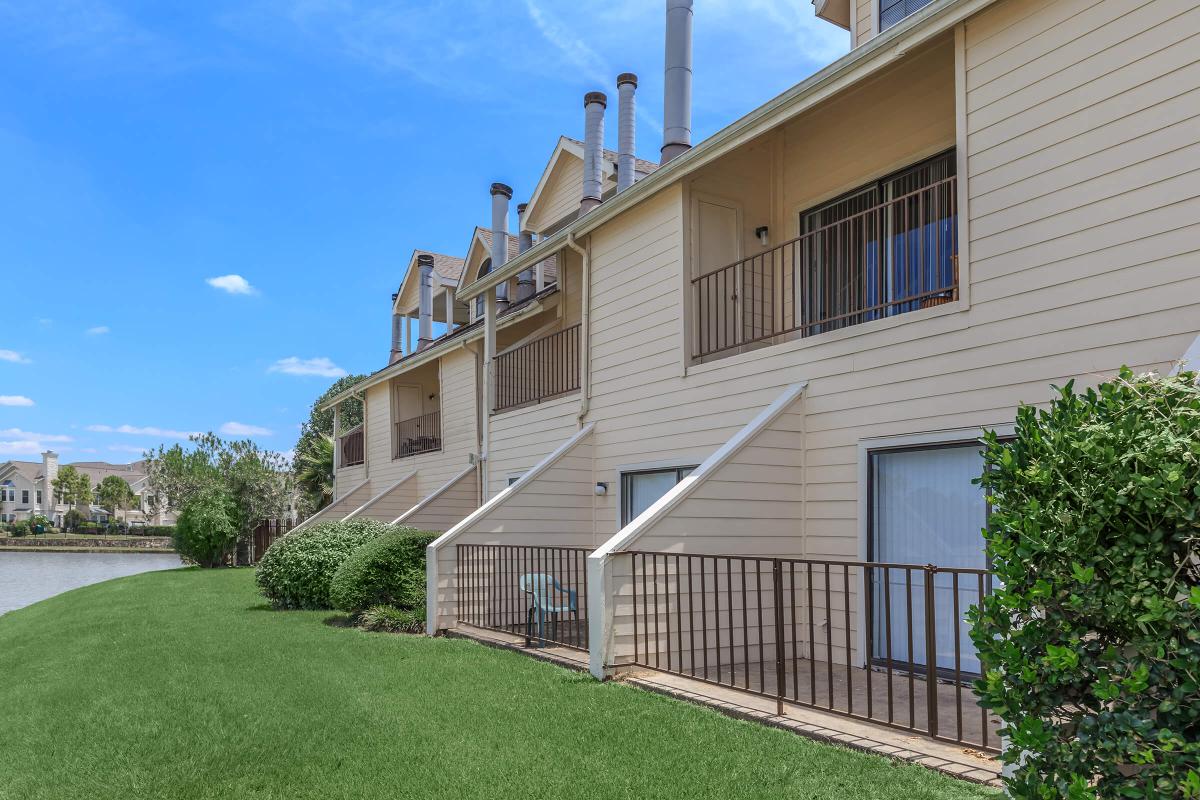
594, 104
525, 286
626, 130
501, 194
425, 301
677, 81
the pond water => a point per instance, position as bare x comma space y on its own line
26, 578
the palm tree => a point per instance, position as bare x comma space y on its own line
314, 472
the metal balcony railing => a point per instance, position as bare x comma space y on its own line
889, 259
351, 446
418, 435
540, 370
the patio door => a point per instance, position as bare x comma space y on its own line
926, 510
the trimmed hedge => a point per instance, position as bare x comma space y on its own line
1091, 642
387, 571
297, 569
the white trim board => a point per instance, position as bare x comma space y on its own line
441, 490
379, 496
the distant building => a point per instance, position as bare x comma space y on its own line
26, 489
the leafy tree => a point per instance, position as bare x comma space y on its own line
314, 473
311, 448
1091, 640
72, 487
257, 483
207, 531
114, 495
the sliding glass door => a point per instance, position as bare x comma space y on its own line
926, 510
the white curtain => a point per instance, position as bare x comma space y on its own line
927, 511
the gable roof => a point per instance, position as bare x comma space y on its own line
448, 268
133, 473
566, 147
483, 238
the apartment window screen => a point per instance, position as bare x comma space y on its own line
926, 510
882, 249
640, 490
892, 11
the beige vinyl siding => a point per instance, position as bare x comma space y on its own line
451, 505
356, 495
560, 196
347, 478
866, 20
457, 402
391, 501
553, 509
1086, 266
747, 506
523, 437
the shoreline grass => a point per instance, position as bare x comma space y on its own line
185, 684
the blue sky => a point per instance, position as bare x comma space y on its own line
149, 151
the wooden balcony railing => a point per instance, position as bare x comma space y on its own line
543, 369
352, 449
895, 257
418, 435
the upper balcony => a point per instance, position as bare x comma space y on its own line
844, 216
416, 416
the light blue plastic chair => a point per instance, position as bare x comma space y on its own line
546, 597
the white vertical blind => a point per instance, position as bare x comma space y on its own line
928, 511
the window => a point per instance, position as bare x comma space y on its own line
640, 490
925, 509
879, 250
892, 11
25, 497
39, 497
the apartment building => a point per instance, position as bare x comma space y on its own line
27, 486
788, 338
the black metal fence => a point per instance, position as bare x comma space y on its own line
543, 369
882, 642
353, 449
418, 435
539, 593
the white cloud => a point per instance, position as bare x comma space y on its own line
14, 400
135, 430
13, 356
128, 448
99, 330
242, 429
233, 284
308, 366
17, 433
16, 442
20, 447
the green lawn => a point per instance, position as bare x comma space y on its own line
183, 684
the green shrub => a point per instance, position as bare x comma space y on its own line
207, 531
387, 571
152, 530
295, 571
390, 619
20, 528
1091, 642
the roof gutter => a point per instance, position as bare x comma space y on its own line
935, 19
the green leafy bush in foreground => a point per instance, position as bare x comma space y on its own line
1091, 642
297, 569
387, 571
206, 531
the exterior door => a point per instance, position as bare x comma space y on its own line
926, 510
717, 242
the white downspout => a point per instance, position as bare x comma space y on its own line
585, 343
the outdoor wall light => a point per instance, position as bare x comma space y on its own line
601, 489
763, 234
